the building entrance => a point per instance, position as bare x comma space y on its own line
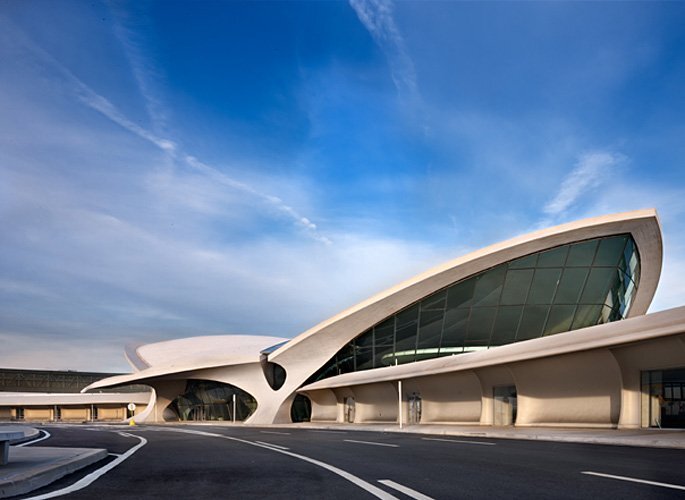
504, 401
663, 398
414, 408
349, 410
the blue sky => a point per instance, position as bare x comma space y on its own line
170, 169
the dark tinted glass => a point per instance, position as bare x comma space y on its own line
560, 319
489, 287
581, 254
544, 285
532, 322
570, 286
562, 289
516, 286
553, 258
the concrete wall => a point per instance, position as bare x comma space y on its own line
445, 398
324, 406
581, 389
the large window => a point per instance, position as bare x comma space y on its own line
209, 400
558, 290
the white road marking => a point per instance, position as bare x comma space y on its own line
114, 454
404, 489
96, 474
47, 435
635, 480
484, 443
331, 432
273, 445
377, 492
275, 432
372, 443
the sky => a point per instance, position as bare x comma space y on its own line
171, 169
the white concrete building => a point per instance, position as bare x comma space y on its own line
549, 328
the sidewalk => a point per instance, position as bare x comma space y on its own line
649, 438
30, 468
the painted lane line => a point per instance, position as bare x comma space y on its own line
96, 474
114, 454
273, 445
357, 481
331, 432
372, 443
635, 480
47, 435
404, 489
484, 443
275, 432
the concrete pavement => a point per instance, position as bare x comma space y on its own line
33, 467
649, 438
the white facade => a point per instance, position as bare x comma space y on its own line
590, 376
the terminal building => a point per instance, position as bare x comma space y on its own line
546, 329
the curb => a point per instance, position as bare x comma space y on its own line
37, 477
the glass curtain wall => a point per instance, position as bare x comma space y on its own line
558, 290
663, 398
209, 400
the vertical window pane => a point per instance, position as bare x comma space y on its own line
456, 321
570, 286
384, 333
507, 322
586, 315
461, 294
384, 356
610, 250
560, 319
480, 326
532, 322
430, 329
597, 285
516, 286
364, 358
489, 287
543, 287
581, 254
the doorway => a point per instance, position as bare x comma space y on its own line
504, 401
349, 410
663, 398
414, 408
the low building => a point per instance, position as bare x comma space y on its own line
54, 396
546, 329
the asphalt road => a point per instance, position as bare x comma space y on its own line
227, 462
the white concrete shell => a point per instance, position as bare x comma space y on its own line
228, 359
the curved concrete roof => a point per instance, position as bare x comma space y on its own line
193, 353
326, 338
305, 353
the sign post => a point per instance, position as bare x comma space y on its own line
234, 408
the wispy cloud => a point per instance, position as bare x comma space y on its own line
99, 103
377, 16
144, 73
590, 171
